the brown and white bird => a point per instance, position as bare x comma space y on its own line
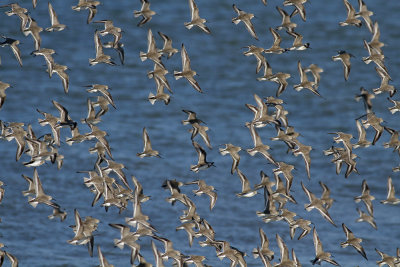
145, 12
196, 20
353, 241
246, 19
187, 72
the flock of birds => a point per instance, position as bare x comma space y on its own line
111, 186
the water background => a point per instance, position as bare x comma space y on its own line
228, 80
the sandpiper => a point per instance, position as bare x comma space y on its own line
284, 253
298, 4
152, 52
325, 196
375, 43
304, 82
365, 14
34, 30
365, 217
145, 12
259, 147
353, 241
167, 47
304, 151
390, 198
160, 94
87, 4
385, 86
40, 196
14, 47
286, 22
202, 130
147, 150
297, 42
102, 259
276, 46
196, 20
100, 56
261, 61
55, 24
366, 197
264, 250
316, 203
320, 254
246, 18
202, 162
315, 70
345, 58
246, 189
205, 189
351, 16
3, 87
187, 72
103, 89
21, 12
233, 151
109, 28
47, 54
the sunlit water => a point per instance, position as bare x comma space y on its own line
228, 80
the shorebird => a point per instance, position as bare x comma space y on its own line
145, 12
376, 34
100, 56
365, 217
264, 250
173, 187
64, 119
3, 88
102, 259
365, 14
320, 254
396, 106
386, 259
40, 196
315, 70
47, 54
390, 198
353, 241
170, 252
87, 4
286, 22
233, 151
19, 134
246, 189
147, 150
385, 86
187, 72
188, 227
246, 19
276, 46
375, 122
14, 47
157, 255
109, 28
160, 94
304, 151
167, 47
60, 70
55, 24
57, 212
116, 167
259, 147
192, 117
261, 116
286, 170
119, 47
394, 141
139, 190
304, 82
34, 30
159, 73
298, 4
351, 16
103, 89
325, 197
300, 223
100, 136
52, 121
316, 203
84, 231
377, 58
127, 238
261, 61
194, 259
297, 42
281, 79
345, 58
366, 97
202, 130
21, 12
196, 20
284, 253
205, 189
366, 197
202, 162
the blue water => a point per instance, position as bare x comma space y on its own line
228, 80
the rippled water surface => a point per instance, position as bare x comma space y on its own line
228, 80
